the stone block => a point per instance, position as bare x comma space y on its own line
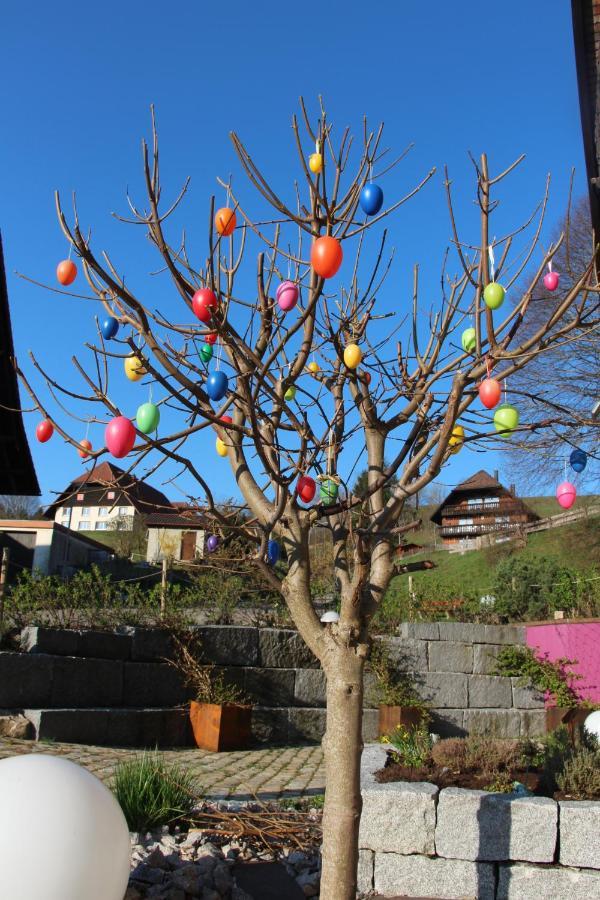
525, 697
306, 724
16, 727
371, 694
425, 631
484, 658
406, 654
153, 684
104, 645
490, 692
25, 680
151, 645
373, 758
310, 687
522, 882
580, 833
443, 690
477, 825
114, 727
270, 725
450, 656
229, 646
500, 723
79, 682
533, 722
505, 634
366, 864
270, 687
447, 722
398, 817
465, 632
370, 724
445, 879
55, 641
282, 648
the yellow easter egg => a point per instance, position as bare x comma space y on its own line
314, 367
133, 368
221, 447
315, 163
352, 356
456, 438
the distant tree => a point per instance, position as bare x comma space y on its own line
19, 506
131, 536
361, 485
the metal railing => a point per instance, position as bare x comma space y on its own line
480, 528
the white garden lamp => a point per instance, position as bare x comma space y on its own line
63, 835
592, 723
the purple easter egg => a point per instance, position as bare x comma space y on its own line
287, 295
212, 542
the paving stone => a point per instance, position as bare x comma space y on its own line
310, 687
55, 641
533, 722
406, 654
525, 697
477, 825
86, 682
443, 690
366, 864
490, 692
500, 723
398, 817
270, 687
450, 656
153, 684
522, 882
306, 724
445, 879
580, 833
25, 680
484, 658
230, 646
283, 648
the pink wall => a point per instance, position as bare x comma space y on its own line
575, 640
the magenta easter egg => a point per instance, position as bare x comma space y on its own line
119, 436
287, 295
566, 494
551, 281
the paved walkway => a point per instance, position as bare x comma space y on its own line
268, 773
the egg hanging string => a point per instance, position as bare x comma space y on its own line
492, 262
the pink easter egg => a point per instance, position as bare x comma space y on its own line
551, 281
119, 436
566, 494
287, 295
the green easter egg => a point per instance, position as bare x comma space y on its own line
493, 295
147, 418
206, 352
290, 393
328, 491
469, 340
506, 419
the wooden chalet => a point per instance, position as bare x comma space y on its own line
586, 39
480, 506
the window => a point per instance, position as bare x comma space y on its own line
123, 510
101, 526
465, 521
84, 525
65, 512
492, 501
110, 495
502, 519
474, 501
79, 498
103, 511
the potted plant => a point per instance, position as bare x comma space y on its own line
553, 679
220, 715
399, 702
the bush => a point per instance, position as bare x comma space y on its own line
527, 588
152, 793
580, 778
546, 676
200, 676
395, 687
477, 753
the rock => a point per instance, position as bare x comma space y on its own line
132, 893
450, 656
309, 687
484, 658
366, 862
428, 631
499, 723
398, 817
490, 692
521, 882
238, 894
283, 648
147, 875
156, 859
297, 858
443, 690
16, 727
420, 876
210, 894
222, 878
525, 697
580, 833
309, 883
188, 879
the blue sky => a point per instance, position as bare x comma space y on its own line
77, 81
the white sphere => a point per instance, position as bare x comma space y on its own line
592, 723
330, 616
63, 835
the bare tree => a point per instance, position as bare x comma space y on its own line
403, 402
19, 506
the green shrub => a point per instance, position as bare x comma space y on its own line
479, 753
152, 793
394, 686
580, 778
546, 676
412, 746
527, 588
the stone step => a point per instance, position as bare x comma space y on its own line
143, 728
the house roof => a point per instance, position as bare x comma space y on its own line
17, 474
142, 496
479, 481
177, 521
586, 37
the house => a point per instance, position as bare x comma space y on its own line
48, 547
178, 535
586, 38
480, 505
106, 498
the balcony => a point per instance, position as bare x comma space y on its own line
463, 509
480, 528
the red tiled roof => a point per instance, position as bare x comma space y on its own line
478, 481
142, 496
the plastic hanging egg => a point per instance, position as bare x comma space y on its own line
493, 295
109, 328
212, 542
66, 272
306, 488
315, 163
119, 436
566, 494
328, 491
469, 340
352, 356
134, 369
225, 220
217, 385
371, 199
490, 392
326, 256
551, 280
313, 367
44, 431
211, 338
85, 448
290, 393
273, 552
287, 295
506, 419
206, 353
147, 418
578, 460
221, 447
367, 376
457, 438
204, 303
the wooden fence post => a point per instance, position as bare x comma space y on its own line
3, 577
163, 589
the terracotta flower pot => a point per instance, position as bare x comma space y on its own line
221, 727
392, 716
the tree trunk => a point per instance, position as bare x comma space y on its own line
342, 746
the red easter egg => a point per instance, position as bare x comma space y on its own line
66, 271
119, 436
306, 488
85, 447
367, 376
551, 281
227, 419
44, 431
203, 302
490, 392
326, 256
225, 221
566, 494
210, 338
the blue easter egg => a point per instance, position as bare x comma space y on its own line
109, 328
578, 460
371, 199
273, 551
217, 385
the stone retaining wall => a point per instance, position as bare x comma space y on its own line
60, 674
416, 840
